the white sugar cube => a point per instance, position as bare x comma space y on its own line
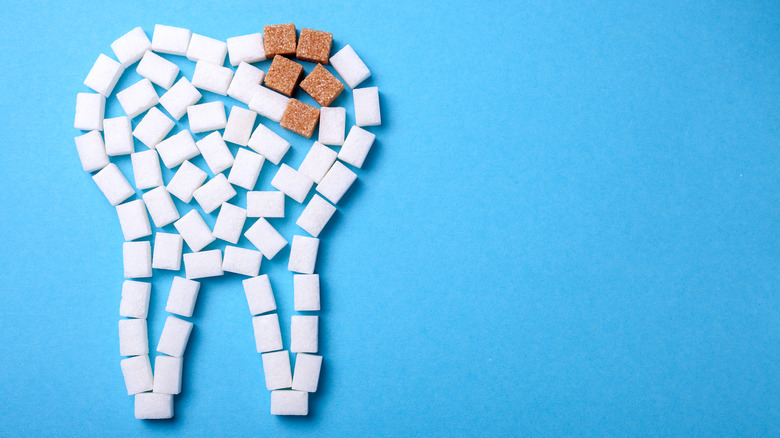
215, 152
230, 223
336, 182
265, 204
131, 46
92, 151
90, 109
113, 184
203, 48
153, 127
167, 251
356, 146
212, 194
186, 180
177, 149
146, 169
265, 238
289, 403
137, 259
133, 337
307, 372
303, 334
203, 264
276, 367
246, 48
157, 69
171, 40
268, 144
317, 162
137, 372
212, 77
303, 254
349, 66
306, 290
179, 97
118, 136
194, 231
268, 103
133, 219
138, 98
104, 75
239, 125
135, 299
259, 295
246, 169
242, 261
268, 335
292, 183
207, 117
333, 120
316, 215
167, 374
182, 297
367, 106
161, 207
245, 82
174, 337
153, 406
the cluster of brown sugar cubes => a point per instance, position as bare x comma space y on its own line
285, 74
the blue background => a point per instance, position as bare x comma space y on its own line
568, 226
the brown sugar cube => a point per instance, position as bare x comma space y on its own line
300, 118
283, 75
322, 86
314, 46
279, 39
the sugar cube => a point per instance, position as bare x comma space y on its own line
161, 207
306, 292
92, 151
283, 75
177, 149
186, 180
153, 406
212, 77
265, 238
203, 48
314, 46
336, 182
268, 335
246, 80
90, 109
322, 86
268, 103
167, 251
171, 40
317, 162
137, 259
246, 48
207, 117
182, 297
279, 39
239, 125
300, 118
131, 46
153, 127
167, 374
307, 372
316, 215
292, 183
230, 223
303, 254
242, 261
113, 184
246, 169
157, 69
104, 75
268, 144
146, 169
174, 337
349, 66
356, 146
135, 299
289, 403
212, 194
133, 337
215, 152
303, 334
265, 204
137, 372
118, 136
203, 264
367, 106
181, 96
259, 295
138, 98
332, 123
194, 231
276, 367
133, 219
